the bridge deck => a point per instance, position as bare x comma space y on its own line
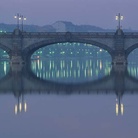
82, 34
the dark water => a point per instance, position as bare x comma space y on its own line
68, 98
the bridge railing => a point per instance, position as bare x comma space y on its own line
5, 34
131, 34
80, 34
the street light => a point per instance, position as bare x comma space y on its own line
119, 17
17, 16
22, 18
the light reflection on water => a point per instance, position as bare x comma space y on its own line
107, 109
133, 70
70, 69
4, 68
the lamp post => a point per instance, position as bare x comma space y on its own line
17, 16
22, 18
119, 17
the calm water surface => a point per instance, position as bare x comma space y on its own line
68, 98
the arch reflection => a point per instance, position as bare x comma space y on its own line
20, 81
70, 70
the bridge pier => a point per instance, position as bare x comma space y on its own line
16, 54
119, 59
119, 56
17, 60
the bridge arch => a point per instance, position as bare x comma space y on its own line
35, 46
131, 48
5, 48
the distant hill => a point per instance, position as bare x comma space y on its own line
59, 26
28, 28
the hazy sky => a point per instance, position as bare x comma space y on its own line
93, 12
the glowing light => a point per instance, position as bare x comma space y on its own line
117, 110
100, 64
5, 67
15, 109
122, 109
20, 107
25, 107
15, 17
119, 17
122, 17
116, 17
25, 18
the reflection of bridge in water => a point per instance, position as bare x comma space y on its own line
22, 81
25, 81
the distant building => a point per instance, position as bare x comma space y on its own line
63, 26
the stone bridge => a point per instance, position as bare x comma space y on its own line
21, 45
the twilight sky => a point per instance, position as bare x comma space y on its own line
93, 12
